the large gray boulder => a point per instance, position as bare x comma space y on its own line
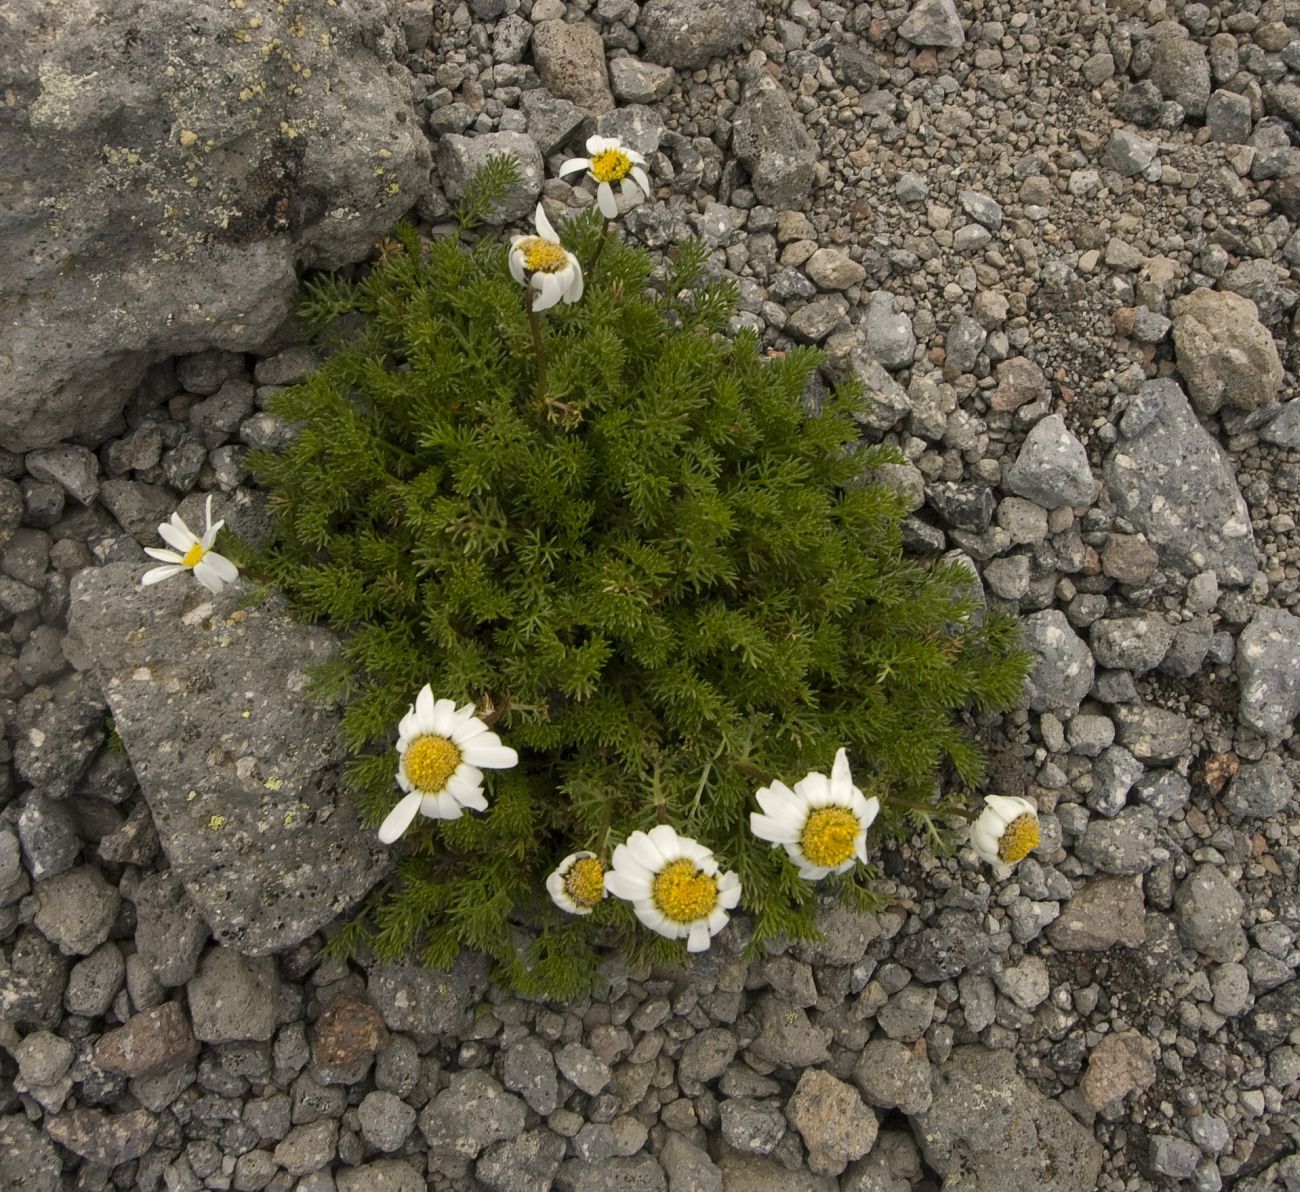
771, 142
168, 166
1173, 482
987, 1128
240, 769
687, 33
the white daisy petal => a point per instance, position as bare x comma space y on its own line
767, 828
666, 841
574, 164
440, 807
645, 852
224, 568
179, 539
622, 886
163, 556
698, 939
475, 799
399, 819
156, 575
597, 144
209, 579
606, 202
489, 755
517, 266
424, 705
576, 283
443, 717
544, 228
546, 293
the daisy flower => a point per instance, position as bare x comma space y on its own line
544, 263
822, 824
673, 885
577, 883
1005, 832
444, 750
191, 553
611, 161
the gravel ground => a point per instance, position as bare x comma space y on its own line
1058, 243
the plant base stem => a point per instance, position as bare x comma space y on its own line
539, 350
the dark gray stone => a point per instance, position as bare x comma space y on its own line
1208, 910
1120, 845
1181, 70
1260, 789
169, 932
988, 1124
473, 1112
529, 1070
225, 181
460, 158
266, 843
428, 1002
890, 337
892, 1075
933, 23
951, 944
1063, 673
688, 33
48, 836
60, 729
233, 998
751, 1125
524, 1164
28, 1160
770, 141
1113, 774
1135, 644
75, 910
1268, 669
1170, 479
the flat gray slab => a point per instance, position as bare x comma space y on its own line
242, 772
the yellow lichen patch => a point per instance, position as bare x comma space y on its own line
585, 881
188, 137
274, 783
255, 22
1019, 838
288, 130
683, 892
216, 823
429, 762
829, 835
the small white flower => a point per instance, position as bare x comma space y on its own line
577, 883
542, 262
1005, 832
822, 824
444, 750
674, 885
610, 161
191, 553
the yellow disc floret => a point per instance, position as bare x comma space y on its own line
829, 835
611, 165
683, 892
544, 256
1019, 838
430, 762
585, 881
194, 555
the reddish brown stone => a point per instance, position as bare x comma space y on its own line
1020, 381
347, 1031
149, 1043
1218, 768
1128, 558
1120, 1064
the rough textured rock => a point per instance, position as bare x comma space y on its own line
1120, 1064
103, 1138
159, 211
1225, 354
470, 1114
1181, 70
233, 999
834, 1124
570, 60
1052, 467
460, 158
1208, 910
1174, 483
1105, 912
75, 910
688, 33
770, 141
1268, 668
420, 1001
28, 1160
989, 1125
1063, 674
933, 23
893, 1076
253, 819
149, 1043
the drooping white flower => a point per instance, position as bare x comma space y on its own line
822, 824
544, 263
443, 750
1005, 832
610, 161
577, 884
191, 553
673, 885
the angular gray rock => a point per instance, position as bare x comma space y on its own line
1208, 910
570, 60
1135, 644
233, 998
933, 23
1268, 670
1225, 354
770, 141
1127, 153
892, 1075
75, 910
989, 1125
469, 1115
687, 33
524, 1164
1260, 789
460, 158
830, 1117
1052, 468
198, 189
1063, 674
1181, 70
427, 1002
240, 770
1104, 912
1173, 482
890, 338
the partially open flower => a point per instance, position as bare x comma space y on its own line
191, 553
544, 263
674, 885
444, 750
577, 883
611, 161
1005, 832
822, 823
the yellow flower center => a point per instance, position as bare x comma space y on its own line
829, 835
430, 761
194, 555
1019, 838
544, 256
611, 165
683, 892
585, 881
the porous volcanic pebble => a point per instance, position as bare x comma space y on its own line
149, 1043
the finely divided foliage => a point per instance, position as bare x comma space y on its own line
657, 578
